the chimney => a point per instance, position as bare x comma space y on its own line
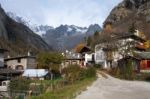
137, 32
29, 54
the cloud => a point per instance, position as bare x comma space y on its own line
56, 12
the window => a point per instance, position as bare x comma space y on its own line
4, 84
9, 67
19, 67
19, 60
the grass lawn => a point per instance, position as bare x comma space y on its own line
143, 77
69, 91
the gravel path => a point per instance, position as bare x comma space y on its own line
112, 88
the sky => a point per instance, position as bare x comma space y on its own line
57, 12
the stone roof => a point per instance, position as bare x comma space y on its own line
18, 57
129, 35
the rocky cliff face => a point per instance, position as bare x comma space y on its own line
17, 37
130, 12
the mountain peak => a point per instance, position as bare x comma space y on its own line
68, 36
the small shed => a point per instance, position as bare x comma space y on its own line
144, 60
122, 63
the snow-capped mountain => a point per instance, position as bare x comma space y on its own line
62, 37
40, 29
68, 36
77, 29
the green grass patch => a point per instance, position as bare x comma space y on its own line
143, 77
69, 91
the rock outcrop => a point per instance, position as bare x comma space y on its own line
130, 12
18, 38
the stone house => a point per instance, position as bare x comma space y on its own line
108, 53
21, 62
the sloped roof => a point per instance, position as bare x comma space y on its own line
81, 48
120, 36
19, 57
129, 35
8, 71
35, 73
142, 55
141, 47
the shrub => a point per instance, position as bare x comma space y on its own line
19, 84
75, 72
124, 72
72, 73
97, 66
90, 72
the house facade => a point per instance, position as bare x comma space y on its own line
79, 57
21, 62
72, 58
109, 53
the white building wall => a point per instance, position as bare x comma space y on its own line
100, 58
99, 55
88, 57
14, 63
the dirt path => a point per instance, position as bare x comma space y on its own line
112, 88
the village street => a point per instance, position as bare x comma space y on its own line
112, 88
